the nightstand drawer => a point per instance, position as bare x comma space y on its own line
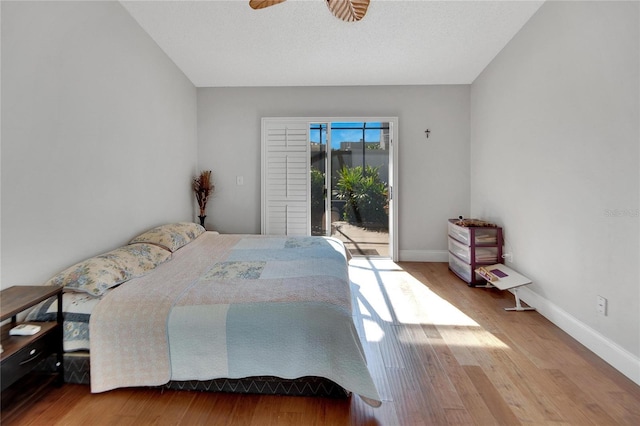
23, 361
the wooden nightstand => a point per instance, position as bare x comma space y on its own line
22, 353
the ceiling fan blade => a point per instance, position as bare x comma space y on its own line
348, 10
261, 4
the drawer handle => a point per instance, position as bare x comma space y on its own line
35, 355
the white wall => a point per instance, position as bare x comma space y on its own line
433, 182
98, 135
555, 160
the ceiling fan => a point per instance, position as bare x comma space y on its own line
347, 10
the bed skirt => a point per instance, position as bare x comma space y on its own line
77, 371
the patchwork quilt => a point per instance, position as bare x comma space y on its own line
232, 306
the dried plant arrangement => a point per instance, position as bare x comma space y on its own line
203, 187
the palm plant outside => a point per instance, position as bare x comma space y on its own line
365, 195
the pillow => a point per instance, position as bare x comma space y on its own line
100, 273
171, 236
138, 259
76, 310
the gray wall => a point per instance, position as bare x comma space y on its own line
555, 159
98, 135
433, 182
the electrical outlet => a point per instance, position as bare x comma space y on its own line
508, 257
239, 180
601, 305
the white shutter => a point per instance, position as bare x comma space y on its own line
285, 177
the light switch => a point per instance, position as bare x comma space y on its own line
239, 180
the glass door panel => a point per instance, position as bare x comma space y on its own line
360, 186
350, 184
318, 137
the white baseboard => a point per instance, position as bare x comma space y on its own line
423, 255
618, 357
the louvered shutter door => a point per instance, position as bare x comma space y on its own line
286, 178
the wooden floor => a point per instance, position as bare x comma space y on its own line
440, 352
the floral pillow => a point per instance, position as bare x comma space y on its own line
100, 273
138, 259
76, 309
171, 236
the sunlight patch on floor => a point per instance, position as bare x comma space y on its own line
435, 310
383, 291
368, 298
372, 330
382, 284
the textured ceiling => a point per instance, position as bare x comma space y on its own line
219, 43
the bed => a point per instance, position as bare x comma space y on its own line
196, 309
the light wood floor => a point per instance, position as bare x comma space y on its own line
440, 352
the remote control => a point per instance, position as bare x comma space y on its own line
24, 330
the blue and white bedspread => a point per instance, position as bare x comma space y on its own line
231, 306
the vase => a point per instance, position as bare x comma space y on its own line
202, 219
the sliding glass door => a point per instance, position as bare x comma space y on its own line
320, 203
350, 184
